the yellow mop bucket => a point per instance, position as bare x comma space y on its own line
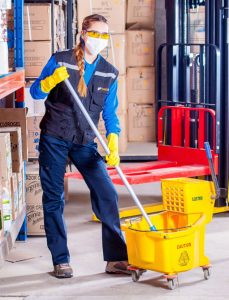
178, 244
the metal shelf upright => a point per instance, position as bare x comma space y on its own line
14, 82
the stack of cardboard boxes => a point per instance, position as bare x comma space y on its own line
132, 53
38, 35
18, 143
38, 50
12, 153
115, 12
141, 70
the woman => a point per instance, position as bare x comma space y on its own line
66, 133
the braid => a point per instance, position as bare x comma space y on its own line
82, 88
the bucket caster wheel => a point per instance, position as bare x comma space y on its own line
207, 273
172, 284
135, 275
172, 281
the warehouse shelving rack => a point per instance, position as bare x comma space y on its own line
68, 5
14, 82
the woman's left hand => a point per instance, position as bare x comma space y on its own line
113, 158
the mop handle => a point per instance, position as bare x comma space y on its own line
98, 135
214, 178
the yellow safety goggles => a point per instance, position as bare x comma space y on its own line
98, 35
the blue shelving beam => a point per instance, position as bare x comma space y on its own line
19, 63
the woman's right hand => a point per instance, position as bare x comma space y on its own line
59, 75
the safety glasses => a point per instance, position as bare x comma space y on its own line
98, 35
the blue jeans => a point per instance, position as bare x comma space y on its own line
52, 159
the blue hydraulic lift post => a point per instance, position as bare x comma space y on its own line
19, 63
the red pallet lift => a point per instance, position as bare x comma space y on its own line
175, 160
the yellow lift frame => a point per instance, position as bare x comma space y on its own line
133, 211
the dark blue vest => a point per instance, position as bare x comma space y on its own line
63, 118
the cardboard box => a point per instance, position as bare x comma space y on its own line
37, 27
16, 117
33, 135
35, 216
37, 22
5, 157
37, 55
141, 85
113, 10
116, 52
141, 11
16, 146
122, 97
141, 122
140, 47
14, 196
122, 137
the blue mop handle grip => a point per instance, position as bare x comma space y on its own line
208, 150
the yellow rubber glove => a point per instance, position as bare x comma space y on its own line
113, 159
59, 75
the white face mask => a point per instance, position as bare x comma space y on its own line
95, 45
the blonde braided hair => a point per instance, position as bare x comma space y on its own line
79, 51
82, 88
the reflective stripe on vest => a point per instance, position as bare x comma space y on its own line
97, 73
102, 74
72, 67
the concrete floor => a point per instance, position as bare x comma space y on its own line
30, 279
